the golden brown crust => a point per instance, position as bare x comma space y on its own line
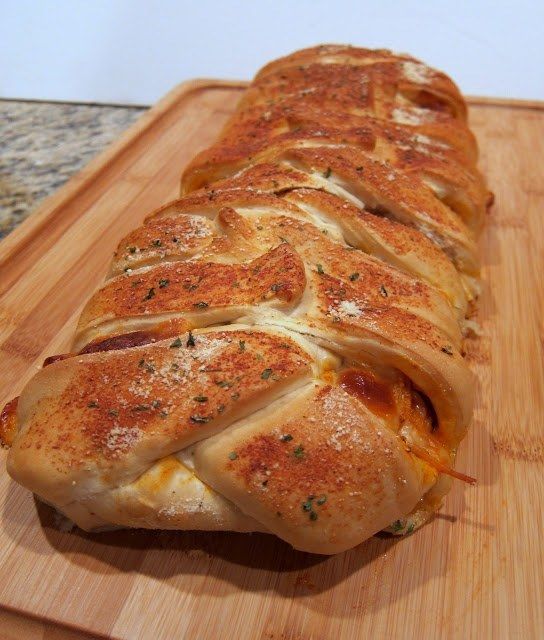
280, 349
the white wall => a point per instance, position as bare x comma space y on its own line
133, 51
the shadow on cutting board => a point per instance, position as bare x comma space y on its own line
225, 563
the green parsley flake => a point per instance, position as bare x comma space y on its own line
327, 173
266, 374
286, 438
200, 305
233, 455
141, 407
321, 500
447, 349
242, 345
320, 269
383, 291
93, 404
397, 526
176, 344
150, 294
200, 398
163, 282
200, 419
299, 452
190, 340
354, 276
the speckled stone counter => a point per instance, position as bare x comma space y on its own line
43, 144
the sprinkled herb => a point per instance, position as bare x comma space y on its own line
313, 515
383, 291
284, 345
354, 276
135, 283
266, 374
141, 407
327, 173
113, 412
163, 413
359, 168
320, 269
276, 287
200, 398
307, 506
242, 345
132, 249
447, 349
264, 482
410, 528
397, 526
233, 455
299, 452
176, 344
191, 340
235, 396
221, 408
321, 500
200, 419
282, 239
259, 227
163, 282
148, 366
156, 404
150, 294
175, 239
286, 437
156, 243
200, 305
93, 404
324, 232
224, 384
190, 287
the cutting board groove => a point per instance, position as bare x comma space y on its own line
475, 571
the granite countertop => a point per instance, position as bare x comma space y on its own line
42, 144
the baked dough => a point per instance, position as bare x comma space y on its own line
279, 350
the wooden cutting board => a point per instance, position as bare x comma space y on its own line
475, 572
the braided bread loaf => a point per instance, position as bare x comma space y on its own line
280, 349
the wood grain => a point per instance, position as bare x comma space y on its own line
475, 571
